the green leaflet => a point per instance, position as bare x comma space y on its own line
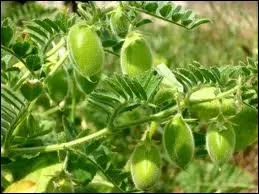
245, 127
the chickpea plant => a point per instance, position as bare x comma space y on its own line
63, 113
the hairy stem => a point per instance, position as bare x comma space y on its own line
155, 117
221, 95
56, 48
159, 17
50, 111
111, 52
59, 63
62, 146
9, 136
50, 148
20, 81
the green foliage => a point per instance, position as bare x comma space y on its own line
44, 31
77, 131
119, 93
13, 110
205, 177
20, 13
170, 12
7, 33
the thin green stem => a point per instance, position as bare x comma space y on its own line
105, 131
59, 63
62, 146
73, 107
56, 48
154, 117
50, 111
221, 95
159, 17
20, 81
111, 52
82, 11
49, 41
152, 129
12, 53
15, 127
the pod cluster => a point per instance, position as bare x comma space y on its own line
223, 141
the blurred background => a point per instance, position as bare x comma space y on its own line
232, 36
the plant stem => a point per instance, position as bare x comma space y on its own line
62, 146
152, 129
59, 63
50, 111
73, 106
15, 127
105, 131
111, 52
159, 17
221, 95
55, 49
20, 81
154, 117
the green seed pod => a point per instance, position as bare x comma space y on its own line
85, 84
145, 166
164, 95
85, 49
57, 85
246, 127
178, 141
220, 144
210, 109
31, 89
119, 22
22, 186
136, 55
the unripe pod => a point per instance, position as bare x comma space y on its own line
136, 55
210, 109
86, 84
57, 85
22, 186
220, 144
178, 141
85, 49
164, 95
119, 22
145, 166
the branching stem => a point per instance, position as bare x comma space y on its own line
62, 146
165, 114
